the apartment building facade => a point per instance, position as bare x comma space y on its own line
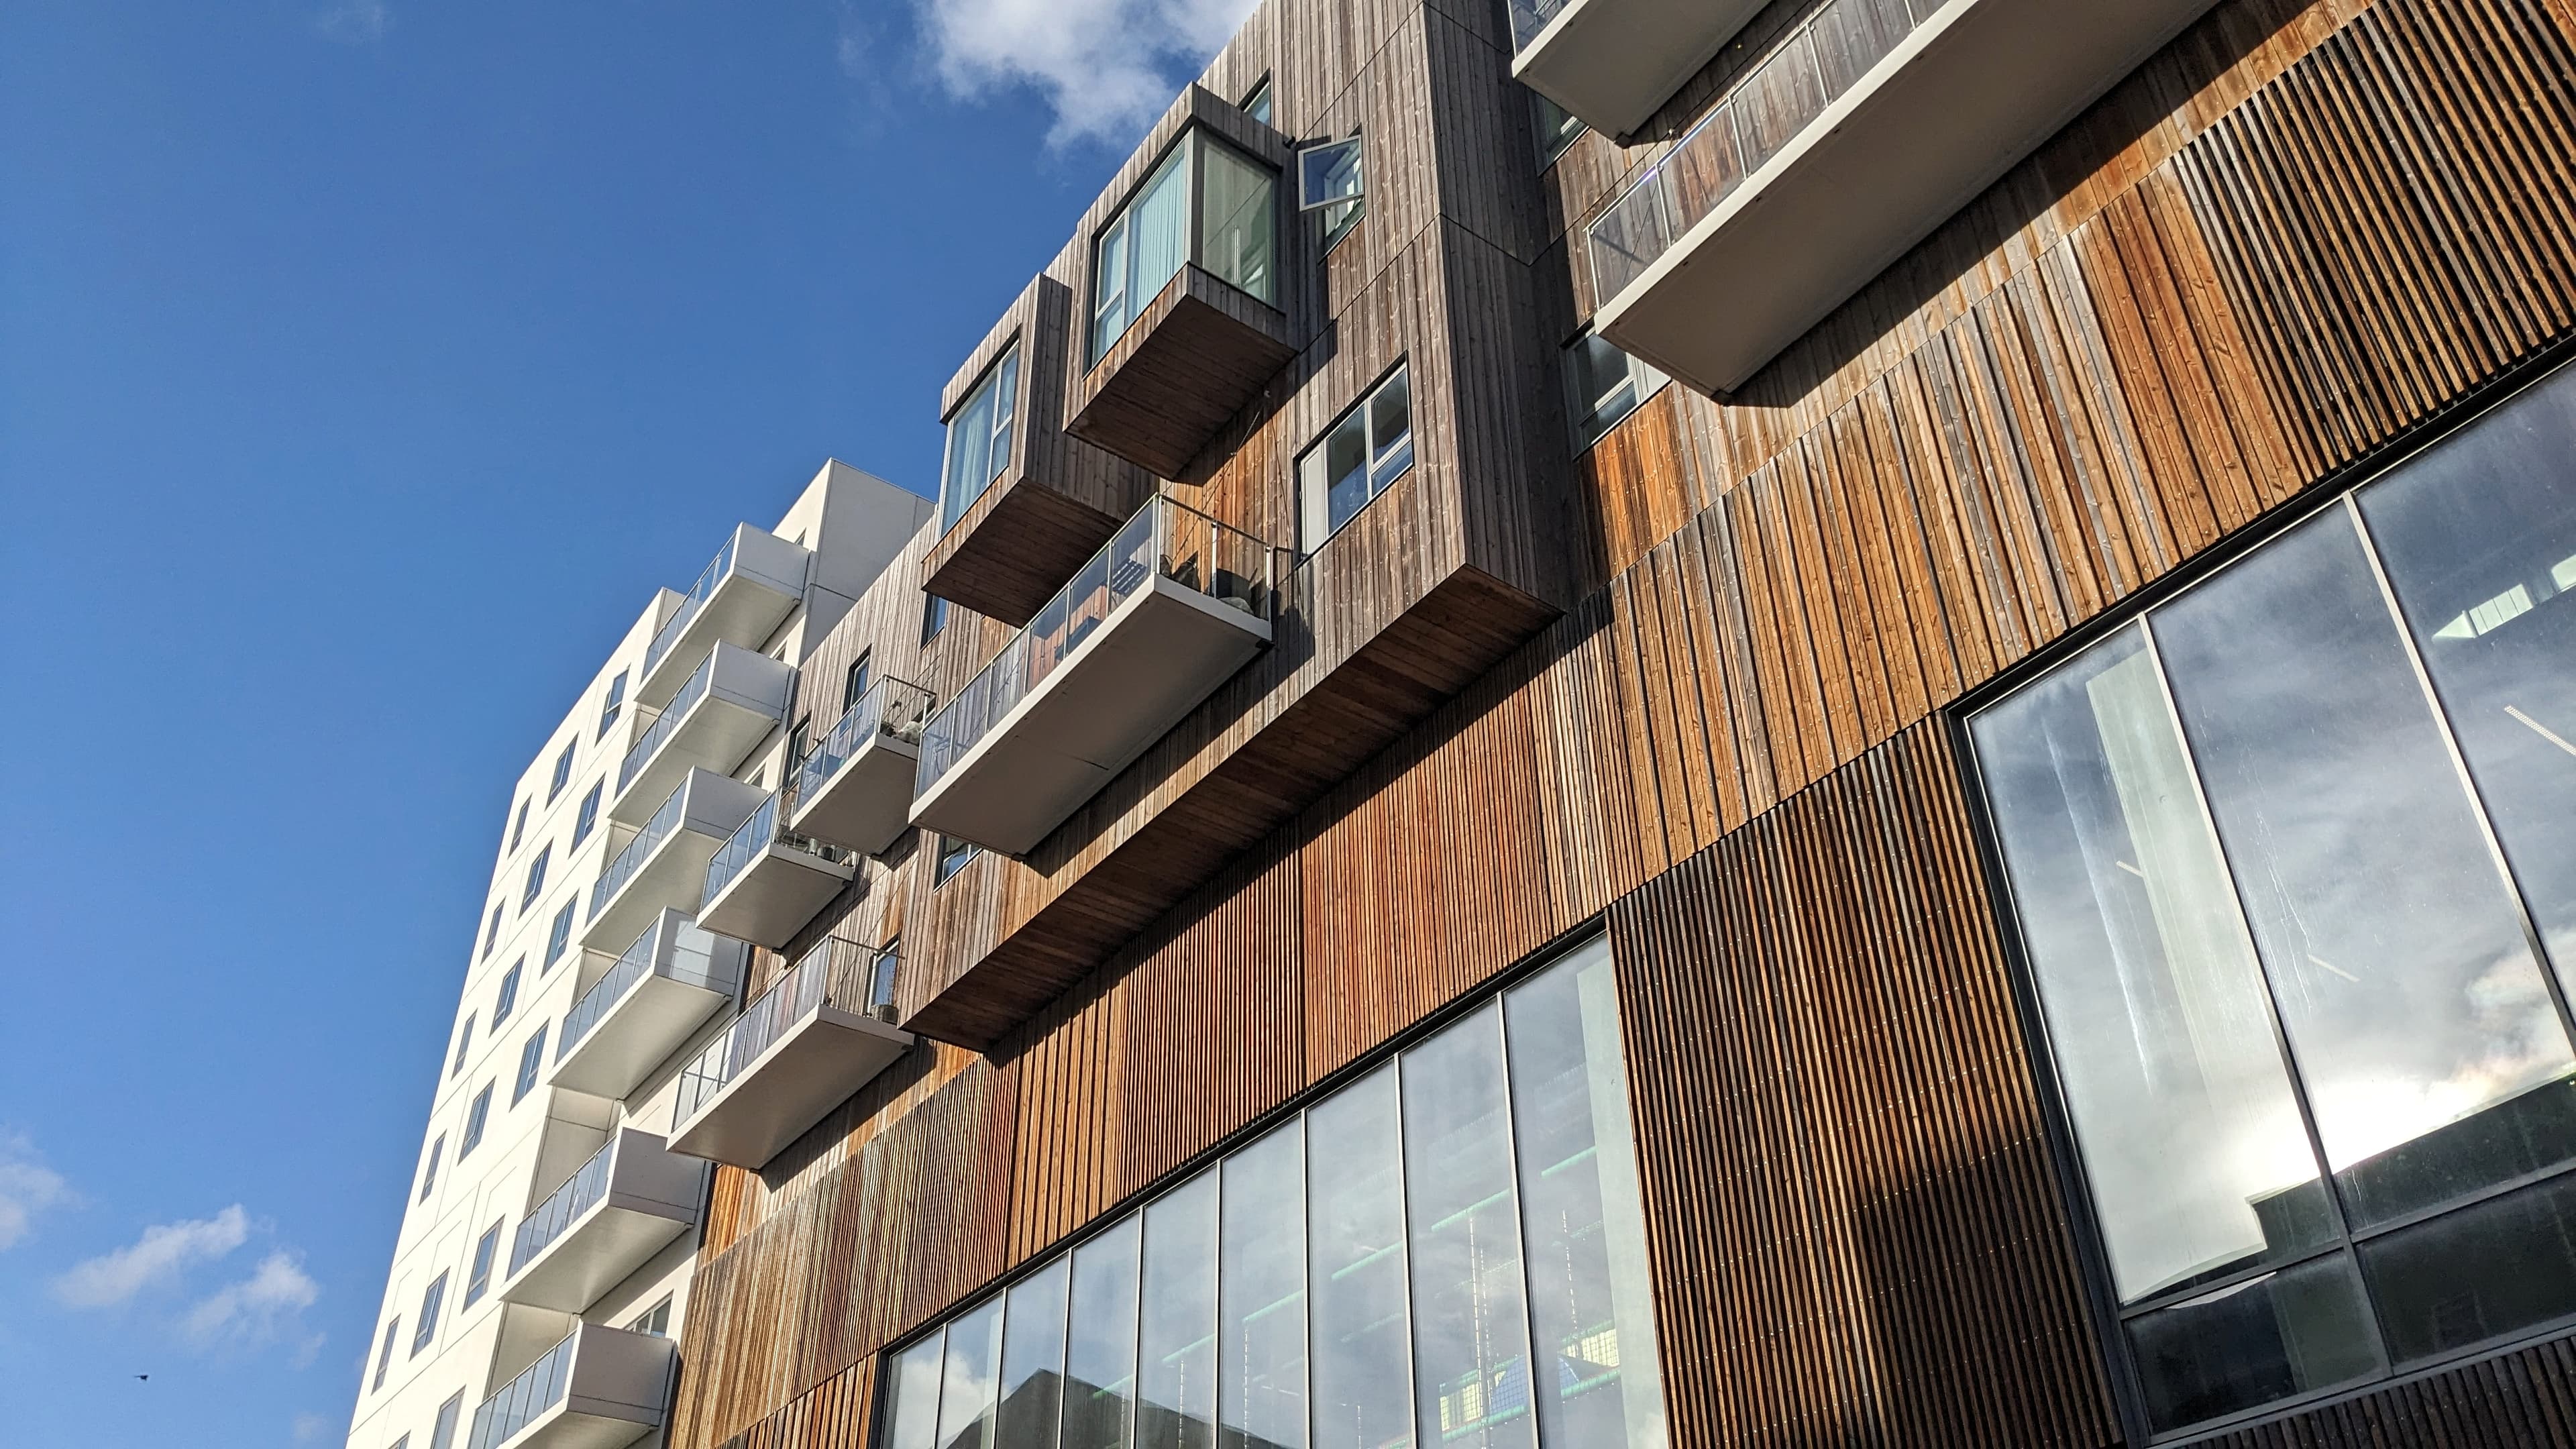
1827, 722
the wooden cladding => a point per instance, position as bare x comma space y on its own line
1199, 351
2525, 1399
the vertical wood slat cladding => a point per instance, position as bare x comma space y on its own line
2521, 1400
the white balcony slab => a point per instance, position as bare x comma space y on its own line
1612, 63
642, 1198
717, 723
826, 1053
672, 869
765, 885
1158, 655
755, 583
1959, 101
867, 802
671, 982
601, 1388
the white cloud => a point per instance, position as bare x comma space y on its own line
1107, 67
27, 1187
356, 22
250, 1312
311, 1428
160, 1255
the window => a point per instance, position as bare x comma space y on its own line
443, 1434
1257, 103
429, 1173
1360, 456
934, 617
536, 885
563, 772
509, 994
492, 932
587, 819
475, 1118
1206, 203
487, 1250
426, 1328
953, 855
532, 1058
1602, 386
881, 978
519, 826
558, 936
2293, 860
1331, 178
616, 701
1354, 1277
385, 1357
464, 1040
856, 684
979, 439
1557, 129
656, 1320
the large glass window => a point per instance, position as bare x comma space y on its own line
2288, 857
1359, 457
1206, 203
979, 438
1354, 1278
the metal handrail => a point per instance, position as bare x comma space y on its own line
1529, 17
1767, 108
894, 707
641, 753
632, 858
562, 1207
539, 1387
1165, 539
812, 982
699, 593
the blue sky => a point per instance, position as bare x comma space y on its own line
364, 365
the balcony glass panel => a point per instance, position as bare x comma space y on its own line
1763, 111
538, 1388
638, 850
1166, 538
699, 593
1529, 17
860, 984
893, 707
756, 835
564, 1205
689, 967
1207, 203
663, 726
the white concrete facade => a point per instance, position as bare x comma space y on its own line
851, 524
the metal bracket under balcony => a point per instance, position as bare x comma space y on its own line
600, 1388
793, 1055
768, 882
655, 997
1874, 122
1613, 63
855, 787
755, 581
1147, 630
625, 1205
732, 702
665, 866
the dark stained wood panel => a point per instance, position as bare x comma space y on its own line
2525, 1399
1197, 353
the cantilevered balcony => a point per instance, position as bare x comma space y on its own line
755, 582
730, 703
1148, 628
799, 1051
665, 865
600, 1388
667, 985
1613, 63
625, 1204
768, 881
855, 788
1868, 126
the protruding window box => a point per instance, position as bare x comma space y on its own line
1147, 629
768, 882
855, 787
1613, 63
1183, 325
667, 985
799, 1051
625, 1204
755, 581
665, 866
600, 1388
1872, 123
728, 704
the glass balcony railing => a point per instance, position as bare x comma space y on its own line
892, 707
1165, 538
688, 967
1529, 17
856, 980
650, 742
538, 1387
1762, 113
757, 834
637, 851
563, 1207
699, 593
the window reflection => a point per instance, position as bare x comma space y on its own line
1176, 1345
969, 1379
1471, 1367
1100, 1343
912, 1397
1033, 1360
1363, 1387
1261, 1274
2285, 1333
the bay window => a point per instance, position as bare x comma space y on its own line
979, 439
1207, 203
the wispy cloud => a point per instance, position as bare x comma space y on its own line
250, 1312
311, 1428
27, 1187
354, 22
1107, 67
159, 1256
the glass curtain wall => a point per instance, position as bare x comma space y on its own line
2293, 858
1449, 1251
1206, 203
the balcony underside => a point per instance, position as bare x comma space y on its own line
618, 1381
719, 730
778, 1096
651, 1021
1612, 63
867, 802
1151, 662
1199, 352
1014, 548
652, 1198
774, 895
1449, 637
671, 879
1960, 101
